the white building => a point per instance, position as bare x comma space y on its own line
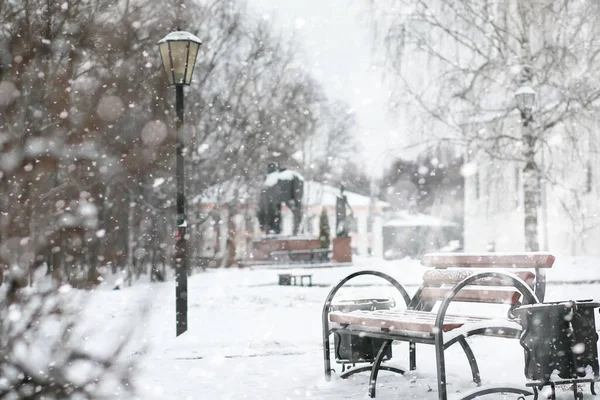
366, 229
366, 232
569, 204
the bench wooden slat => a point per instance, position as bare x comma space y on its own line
295, 252
438, 277
471, 295
488, 260
403, 320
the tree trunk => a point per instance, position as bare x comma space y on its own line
530, 192
130, 242
230, 247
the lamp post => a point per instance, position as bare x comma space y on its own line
525, 96
178, 51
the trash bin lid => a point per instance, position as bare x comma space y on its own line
553, 304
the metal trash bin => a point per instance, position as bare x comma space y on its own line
559, 341
354, 348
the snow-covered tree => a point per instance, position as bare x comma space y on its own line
324, 230
45, 350
460, 63
87, 125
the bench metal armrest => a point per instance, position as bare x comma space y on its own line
382, 275
329, 299
529, 297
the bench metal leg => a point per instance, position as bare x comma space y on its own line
353, 371
441, 366
412, 354
472, 360
507, 389
518, 284
376, 366
327, 359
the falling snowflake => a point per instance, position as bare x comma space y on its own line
158, 182
154, 132
469, 169
110, 108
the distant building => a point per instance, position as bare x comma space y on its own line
568, 206
218, 201
408, 234
364, 237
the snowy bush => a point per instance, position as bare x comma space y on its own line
324, 231
47, 353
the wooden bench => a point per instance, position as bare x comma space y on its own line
314, 255
291, 279
487, 278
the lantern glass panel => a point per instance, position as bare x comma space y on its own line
193, 53
166, 60
179, 57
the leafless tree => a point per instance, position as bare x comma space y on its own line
460, 62
87, 126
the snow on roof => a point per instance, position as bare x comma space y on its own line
320, 194
285, 175
407, 219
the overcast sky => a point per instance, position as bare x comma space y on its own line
335, 35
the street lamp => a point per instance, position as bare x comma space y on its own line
178, 51
525, 96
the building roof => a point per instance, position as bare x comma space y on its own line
316, 194
407, 219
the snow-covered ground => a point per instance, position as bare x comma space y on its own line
249, 338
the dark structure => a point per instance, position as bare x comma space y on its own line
281, 187
560, 344
350, 349
342, 228
434, 178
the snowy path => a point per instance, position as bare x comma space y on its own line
251, 339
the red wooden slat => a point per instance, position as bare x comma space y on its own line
470, 295
438, 277
405, 320
488, 260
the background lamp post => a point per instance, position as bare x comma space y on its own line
178, 51
525, 96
